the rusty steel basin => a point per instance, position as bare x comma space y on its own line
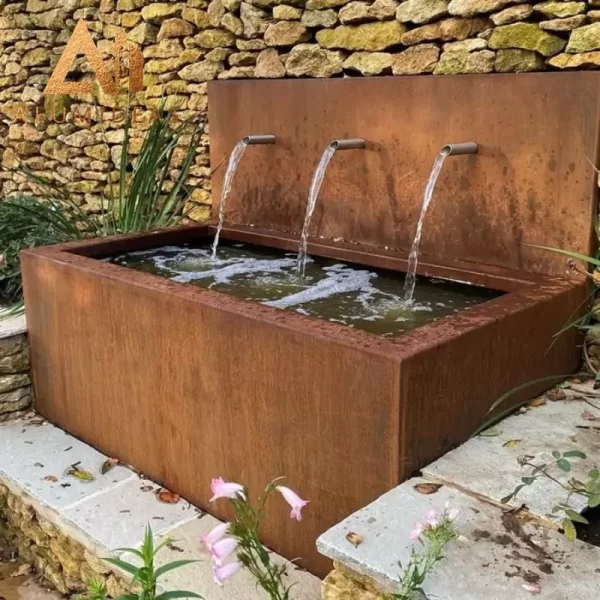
186, 384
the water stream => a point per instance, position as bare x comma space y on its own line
315, 188
413, 258
234, 161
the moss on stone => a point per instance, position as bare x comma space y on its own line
527, 36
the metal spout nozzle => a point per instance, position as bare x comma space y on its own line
456, 149
259, 139
348, 144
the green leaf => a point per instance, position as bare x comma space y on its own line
507, 499
528, 480
594, 501
575, 454
176, 564
594, 474
177, 594
563, 465
556, 454
126, 597
125, 566
570, 531
491, 432
130, 551
569, 253
575, 516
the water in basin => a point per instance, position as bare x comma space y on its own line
353, 295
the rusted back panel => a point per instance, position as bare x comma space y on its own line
532, 181
187, 384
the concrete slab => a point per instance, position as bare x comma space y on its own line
36, 458
499, 555
12, 326
198, 576
128, 508
487, 466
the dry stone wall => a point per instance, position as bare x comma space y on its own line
15, 382
187, 43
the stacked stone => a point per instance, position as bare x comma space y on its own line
187, 43
15, 384
63, 562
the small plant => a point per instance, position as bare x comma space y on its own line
433, 534
589, 489
243, 541
145, 575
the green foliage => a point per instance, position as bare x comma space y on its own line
589, 489
144, 199
145, 574
433, 541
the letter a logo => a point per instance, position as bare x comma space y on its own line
81, 41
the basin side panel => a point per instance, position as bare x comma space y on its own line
474, 360
186, 388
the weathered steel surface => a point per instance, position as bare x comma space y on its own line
186, 384
531, 182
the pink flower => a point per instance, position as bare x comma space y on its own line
214, 536
223, 489
294, 501
221, 573
222, 549
416, 532
431, 518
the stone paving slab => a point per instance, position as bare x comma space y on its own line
12, 326
198, 576
488, 466
31, 456
498, 556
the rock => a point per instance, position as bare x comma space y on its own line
369, 63
198, 17
215, 12
197, 212
233, 24
362, 12
584, 39
576, 61
238, 73
16, 400
560, 9
309, 60
9, 383
250, 45
466, 45
165, 49
232, 5
594, 15
80, 139
143, 33
416, 60
242, 59
155, 12
286, 33
172, 28
99, 152
567, 24
319, 18
254, 19
214, 38
219, 54
283, 12
202, 71
130, 19
515, 60
421, 11
446, 30
470, 8
321, 4
36, 57
370, 36
527, 36
269, 65
127, 5
512, 14
454, 63
54, 149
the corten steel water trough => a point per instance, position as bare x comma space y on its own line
186, 384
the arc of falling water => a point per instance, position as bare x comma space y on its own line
413, 258
234, 161
315, 188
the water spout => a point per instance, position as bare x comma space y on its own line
448, 150
315, 187
234, 161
